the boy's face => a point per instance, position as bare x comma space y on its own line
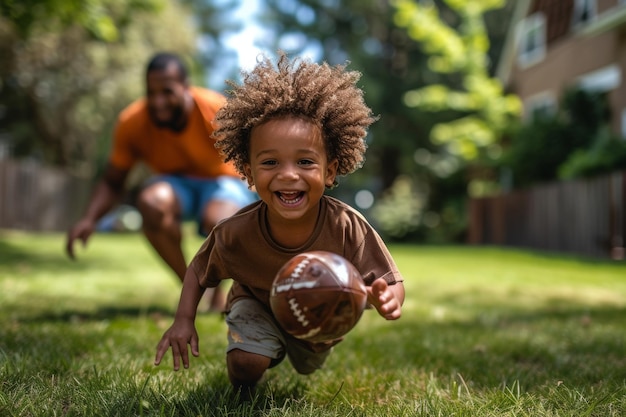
289, 167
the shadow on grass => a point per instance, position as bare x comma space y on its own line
213, 396
56, 343
13, 257
104, 313
219, 398
583, 346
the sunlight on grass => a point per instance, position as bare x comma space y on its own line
484, 332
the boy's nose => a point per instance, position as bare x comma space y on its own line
289, 172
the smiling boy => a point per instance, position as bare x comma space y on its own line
290, 130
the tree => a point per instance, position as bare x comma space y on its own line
100, 18
486, 110
362, 33
403, 164
64, 77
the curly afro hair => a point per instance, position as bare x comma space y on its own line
325, 95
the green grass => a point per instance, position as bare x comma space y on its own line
485, 332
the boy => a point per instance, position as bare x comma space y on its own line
290, 131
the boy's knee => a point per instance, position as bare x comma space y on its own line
245, 368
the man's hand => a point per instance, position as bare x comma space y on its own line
105, 195
81, 230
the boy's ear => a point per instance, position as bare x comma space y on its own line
331, 173
247, 170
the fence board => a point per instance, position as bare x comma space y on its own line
584, 217
39, 198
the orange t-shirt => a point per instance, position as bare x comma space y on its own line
190, 152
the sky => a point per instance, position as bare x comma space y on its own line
245, 43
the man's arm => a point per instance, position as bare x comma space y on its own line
106, 194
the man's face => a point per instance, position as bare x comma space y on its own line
166, 93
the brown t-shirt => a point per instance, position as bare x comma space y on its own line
241, 248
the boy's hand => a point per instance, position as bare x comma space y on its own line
181, 334
384, 299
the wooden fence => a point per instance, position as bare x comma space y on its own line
584, 217
38, 198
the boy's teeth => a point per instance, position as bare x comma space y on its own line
290, 197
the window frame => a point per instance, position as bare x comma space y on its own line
532, 29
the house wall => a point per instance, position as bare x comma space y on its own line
605, 5
571, 54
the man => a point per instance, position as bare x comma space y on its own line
170, 131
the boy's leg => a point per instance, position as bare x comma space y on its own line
245, 369
255, 343
303, 359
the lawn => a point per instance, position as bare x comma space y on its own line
484, 332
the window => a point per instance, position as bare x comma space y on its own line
603, 79
584, 11
532, 40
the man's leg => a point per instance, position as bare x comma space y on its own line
221, 198
214, 211
160, 210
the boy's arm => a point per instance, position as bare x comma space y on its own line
387, 299
183, 331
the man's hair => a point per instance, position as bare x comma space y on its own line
325, 95
161, 60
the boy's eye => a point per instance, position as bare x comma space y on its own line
306, 162
268, 162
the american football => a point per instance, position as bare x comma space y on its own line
318, 296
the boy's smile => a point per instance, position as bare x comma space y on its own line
290, 197
289, 168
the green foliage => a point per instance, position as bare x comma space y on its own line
607, 153
396, 70
399, 211
363, 34
61, 87
536, 151
100, 18
484, 109
214, 20
573, 142
485, 332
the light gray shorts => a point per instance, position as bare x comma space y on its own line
253, 329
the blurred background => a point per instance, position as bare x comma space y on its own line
501, 122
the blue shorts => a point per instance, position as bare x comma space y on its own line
194, 193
